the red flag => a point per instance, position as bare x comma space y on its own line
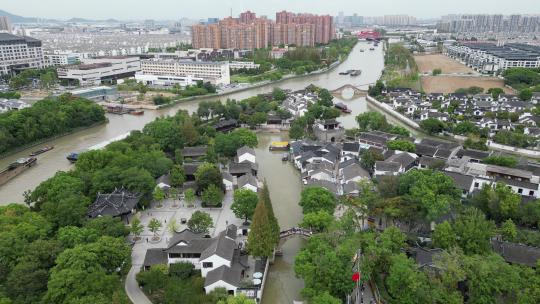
356, 276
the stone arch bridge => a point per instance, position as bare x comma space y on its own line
290, 233
356, 91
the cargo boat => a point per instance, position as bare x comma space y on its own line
279, 146
346, 72
137, 112
42, 150
342, 107
16, 168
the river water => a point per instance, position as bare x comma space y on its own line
282, 178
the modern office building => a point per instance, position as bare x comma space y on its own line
19, 53
5, 25
215, 72
490, 58
251, 32
94, 71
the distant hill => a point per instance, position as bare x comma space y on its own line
21, 19
18, 19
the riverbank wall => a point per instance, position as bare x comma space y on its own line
388, 110
48, 139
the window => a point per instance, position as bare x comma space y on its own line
531, 193
476, 185
207, 265
520, 190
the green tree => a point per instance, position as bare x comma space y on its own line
369, 121
318, 221
208, 174
239, 299
154, 225
325, 98
505, 161
265, 197
296, 131
177, 176
212, 196
152, 280
200, 222
174, 193
324, 298
499, 202
436, 72
278, 94
368, 158
244, 203
495, 92
432, 192
173, 226
136, 227
158, 195
401, 145
189, 196
444, 236
314, 199
432, 125
525, 94
260, 237
405, 283
473, 231
508, 230
182, 270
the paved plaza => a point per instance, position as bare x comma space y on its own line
221, 217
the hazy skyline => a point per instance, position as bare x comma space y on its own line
176, 9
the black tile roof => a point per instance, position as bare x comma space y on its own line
117, 203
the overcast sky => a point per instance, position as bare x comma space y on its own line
175, 9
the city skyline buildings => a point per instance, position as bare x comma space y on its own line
250, 32
420, 9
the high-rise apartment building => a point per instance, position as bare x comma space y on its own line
19, 53
250, 32
5, 25
490, 23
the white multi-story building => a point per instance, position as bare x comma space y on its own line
215, 72
60, 59
490, 58
93, 71
248, 65
166, 80
19, 53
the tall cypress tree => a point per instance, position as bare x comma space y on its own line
260, 238
265, 197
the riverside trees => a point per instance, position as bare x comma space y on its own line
47, 118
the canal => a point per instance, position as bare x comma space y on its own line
283, 180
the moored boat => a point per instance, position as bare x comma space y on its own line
42, 150
73, 157
16, 168
279, 146
137, 112
342, 107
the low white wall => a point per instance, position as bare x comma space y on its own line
389, 110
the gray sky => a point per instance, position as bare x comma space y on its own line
175, 9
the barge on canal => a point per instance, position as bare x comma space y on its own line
16, 168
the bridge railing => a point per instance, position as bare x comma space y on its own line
295, 231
